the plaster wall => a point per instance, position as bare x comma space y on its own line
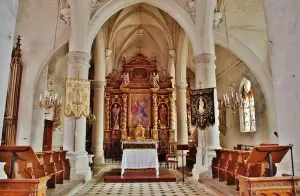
230, 69
245, 20
37, 22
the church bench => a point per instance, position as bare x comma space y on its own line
223, 164
67, 165
215, 163
59, 167
56, 174
231, 167
269, 186
27, 175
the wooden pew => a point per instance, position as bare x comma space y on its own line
215, 163
27, 175
46, 158
223, 164
67, 165
268, 186
231, 167
59, 167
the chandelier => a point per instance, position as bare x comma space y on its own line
233, 100
50, 99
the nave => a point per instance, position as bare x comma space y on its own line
98, 187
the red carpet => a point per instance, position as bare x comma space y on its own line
143, 175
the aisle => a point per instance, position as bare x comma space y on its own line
98, 187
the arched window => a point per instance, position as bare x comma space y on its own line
247, 109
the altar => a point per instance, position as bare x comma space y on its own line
139, 155
138, 98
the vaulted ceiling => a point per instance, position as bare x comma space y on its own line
142, 28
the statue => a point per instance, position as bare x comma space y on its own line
125, 80
222, 113
154, 80
115, 113
201, 106
163, 116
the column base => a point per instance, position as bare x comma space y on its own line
180, 157
79, 166
99, 159
202, 167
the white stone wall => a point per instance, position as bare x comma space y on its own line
233, 135
36, 23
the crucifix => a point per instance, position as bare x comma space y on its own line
199, 84
140, 47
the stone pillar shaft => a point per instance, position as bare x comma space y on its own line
182, 131
8, 17
98, 128
283, 29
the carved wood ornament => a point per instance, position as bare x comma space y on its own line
145, 98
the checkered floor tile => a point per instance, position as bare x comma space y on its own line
97, 187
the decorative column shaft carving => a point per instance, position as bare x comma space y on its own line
124, 116
107, 119
155, 114
172, 118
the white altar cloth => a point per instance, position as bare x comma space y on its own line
139, 142
139, 159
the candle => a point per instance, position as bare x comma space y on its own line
41, 96
232, 94
237, 97
224, 97
55, 96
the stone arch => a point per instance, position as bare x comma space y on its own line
103, 13
259, 70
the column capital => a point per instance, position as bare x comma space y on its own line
98, 84
79, 58
181, 86
205, 59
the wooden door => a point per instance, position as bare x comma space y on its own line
48, 130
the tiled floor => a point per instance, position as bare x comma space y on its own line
98, 187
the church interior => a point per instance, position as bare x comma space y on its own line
149, 97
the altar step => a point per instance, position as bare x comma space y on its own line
149, 175
220, 188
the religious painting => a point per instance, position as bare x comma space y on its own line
163, 115
140, 110
115, 116
202, 107
139, 74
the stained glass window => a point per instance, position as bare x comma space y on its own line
247, 111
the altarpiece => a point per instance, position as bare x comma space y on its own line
139, 97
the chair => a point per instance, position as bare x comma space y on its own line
171, 157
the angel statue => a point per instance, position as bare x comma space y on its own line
125, 80
154, 80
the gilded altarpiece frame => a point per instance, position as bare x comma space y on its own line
138, 95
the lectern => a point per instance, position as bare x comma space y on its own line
182, 147
268, 154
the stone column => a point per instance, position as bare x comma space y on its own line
98, 128
182, 131
8, 17
78, 66
75, 129
283, 27
99, 87
205, 77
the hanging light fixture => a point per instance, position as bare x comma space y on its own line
232, 99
